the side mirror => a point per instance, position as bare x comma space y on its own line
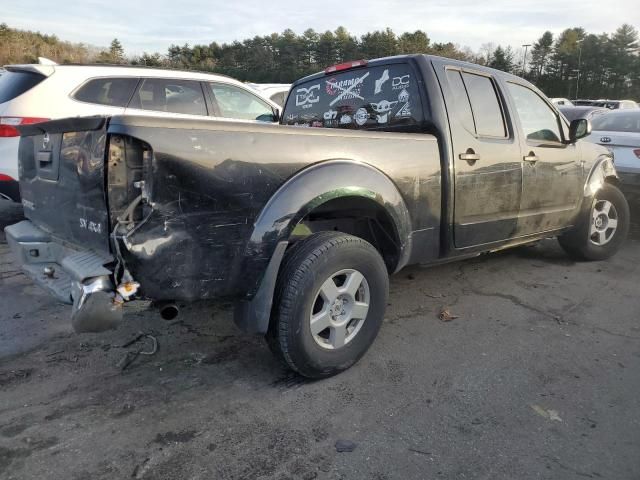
579, 128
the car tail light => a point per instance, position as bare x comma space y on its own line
345, 66
5, 178
637, 152
8, 124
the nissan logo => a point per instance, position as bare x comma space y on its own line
605, 139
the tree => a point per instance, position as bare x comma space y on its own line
416, 42
541, 54
502, 59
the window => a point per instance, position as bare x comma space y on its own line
628, 121
381, 97
114, 92
485, 105
461, 100
538, 120
14, 84
171, 96
237, 103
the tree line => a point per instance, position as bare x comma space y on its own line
573, 63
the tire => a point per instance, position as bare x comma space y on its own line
303, 290
594, 238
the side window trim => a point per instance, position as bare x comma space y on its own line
559, 123
506, 119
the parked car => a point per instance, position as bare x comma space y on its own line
616, 104
610, 104
572, 113
421, 159
276, 92
562, 101
619, 131
32, 93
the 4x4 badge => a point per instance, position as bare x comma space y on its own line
605, 139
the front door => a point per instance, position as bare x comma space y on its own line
552, 172
487, 173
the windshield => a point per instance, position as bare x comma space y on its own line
618, 122
384, 97
13, 84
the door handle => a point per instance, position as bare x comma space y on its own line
531, 158
470, 156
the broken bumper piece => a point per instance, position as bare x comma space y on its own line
78, 277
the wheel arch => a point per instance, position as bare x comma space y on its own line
323, 184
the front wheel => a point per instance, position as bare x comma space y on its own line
600, 234
329, 303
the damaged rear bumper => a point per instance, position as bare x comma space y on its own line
78, 277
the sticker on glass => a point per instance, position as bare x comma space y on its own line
362, 116
381, 81
306, 97
345, 89
382, 109
398, 83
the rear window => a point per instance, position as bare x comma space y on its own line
377, 98
618, 122
114, 92
13, 84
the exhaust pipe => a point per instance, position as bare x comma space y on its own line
169, 311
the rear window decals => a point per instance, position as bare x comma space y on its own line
348, 88
400, 82
362, 116
381, 97
305, 97
382, 109
381, 81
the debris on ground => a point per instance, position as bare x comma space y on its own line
445, 315
345, 446
548, 414
130, 357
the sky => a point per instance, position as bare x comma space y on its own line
152, 26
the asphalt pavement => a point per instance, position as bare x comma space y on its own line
536, 377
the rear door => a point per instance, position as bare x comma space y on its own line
552, 171
487, 173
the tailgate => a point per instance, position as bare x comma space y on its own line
62, 180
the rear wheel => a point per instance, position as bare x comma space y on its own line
329, 303
602, 232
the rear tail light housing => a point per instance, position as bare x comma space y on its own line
8, 124
637, 152
6, 178
345, 66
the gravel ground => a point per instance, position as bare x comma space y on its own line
538, 377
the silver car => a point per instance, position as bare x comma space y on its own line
619, 131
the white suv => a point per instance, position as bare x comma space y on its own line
33, 93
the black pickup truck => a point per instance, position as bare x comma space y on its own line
419, 159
